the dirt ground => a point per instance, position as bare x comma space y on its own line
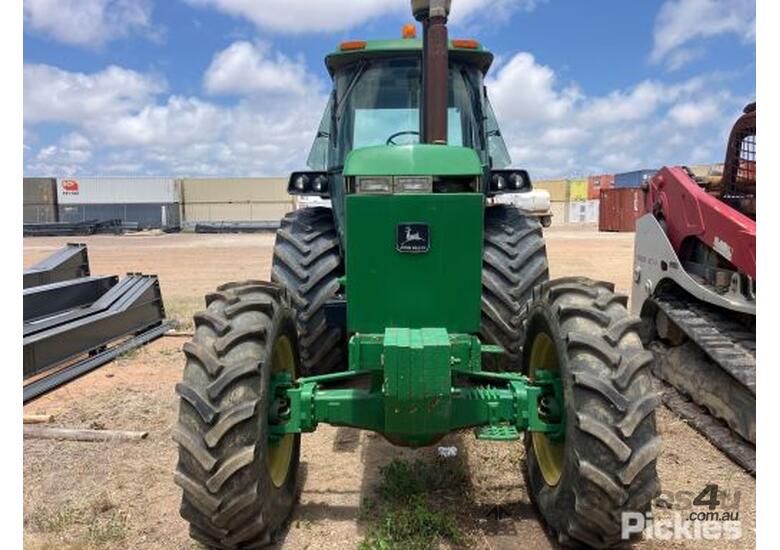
122, 495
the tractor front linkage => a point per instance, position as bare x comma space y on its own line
414, 386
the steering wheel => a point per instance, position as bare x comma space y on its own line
399, 134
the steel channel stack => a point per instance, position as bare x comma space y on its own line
74, 322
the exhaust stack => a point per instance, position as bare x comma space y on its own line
433, 16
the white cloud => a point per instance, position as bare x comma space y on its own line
246, 68
681, 22
66, 158
300, 16
552, 127
118, 113
178, 122
524, 90
89, 23
52, 94
692, 114
556, 130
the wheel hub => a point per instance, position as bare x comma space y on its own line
549, 448
280, 450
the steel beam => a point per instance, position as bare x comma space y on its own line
46, 300
130, 307
44, 385
70, 262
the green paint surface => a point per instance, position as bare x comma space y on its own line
419, 159
417, 383
439, 288
480, 57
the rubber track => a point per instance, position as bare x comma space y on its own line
730, 345
716, 367
737, 449
307, 261
514, 261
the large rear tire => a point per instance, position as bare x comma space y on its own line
239, 487
308, 263
606, 463
514, 260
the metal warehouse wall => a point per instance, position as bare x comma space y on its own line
235, 199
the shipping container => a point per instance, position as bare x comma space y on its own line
100, 190
558, 189
235, 199
146, 215
40, 213
582, 212
40, 191
633, 179
578, 190
619, 209
597, 183
234, 190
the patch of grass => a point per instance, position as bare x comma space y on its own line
108, 529
46, 520
416, 525
405, 517
402, 479
91, 525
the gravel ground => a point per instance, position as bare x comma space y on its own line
121, 495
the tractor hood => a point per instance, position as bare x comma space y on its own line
420, 159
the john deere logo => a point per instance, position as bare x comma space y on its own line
412, 237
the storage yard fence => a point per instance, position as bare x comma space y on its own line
185, 203
155, 203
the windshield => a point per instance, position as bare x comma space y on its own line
378, 103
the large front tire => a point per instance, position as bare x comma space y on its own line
308, 263
606, 463
514, 260
239, 487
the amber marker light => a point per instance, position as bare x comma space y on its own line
352, 45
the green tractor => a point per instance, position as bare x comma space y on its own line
413, 309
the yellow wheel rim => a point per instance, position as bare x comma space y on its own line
280, 454
549, 453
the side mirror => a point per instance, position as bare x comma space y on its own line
508, 181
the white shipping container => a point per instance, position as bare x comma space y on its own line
583, 212
105, 190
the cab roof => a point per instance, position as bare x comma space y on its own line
377, 49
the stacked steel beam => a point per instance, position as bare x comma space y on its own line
74, 323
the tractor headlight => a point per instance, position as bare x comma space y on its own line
509, 181
308, 183
413, 184
320, 184
374, 184
301, 182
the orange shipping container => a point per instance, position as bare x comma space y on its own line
619, 208
597, 183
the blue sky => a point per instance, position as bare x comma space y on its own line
236, 87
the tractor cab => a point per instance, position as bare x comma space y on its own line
373, 125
